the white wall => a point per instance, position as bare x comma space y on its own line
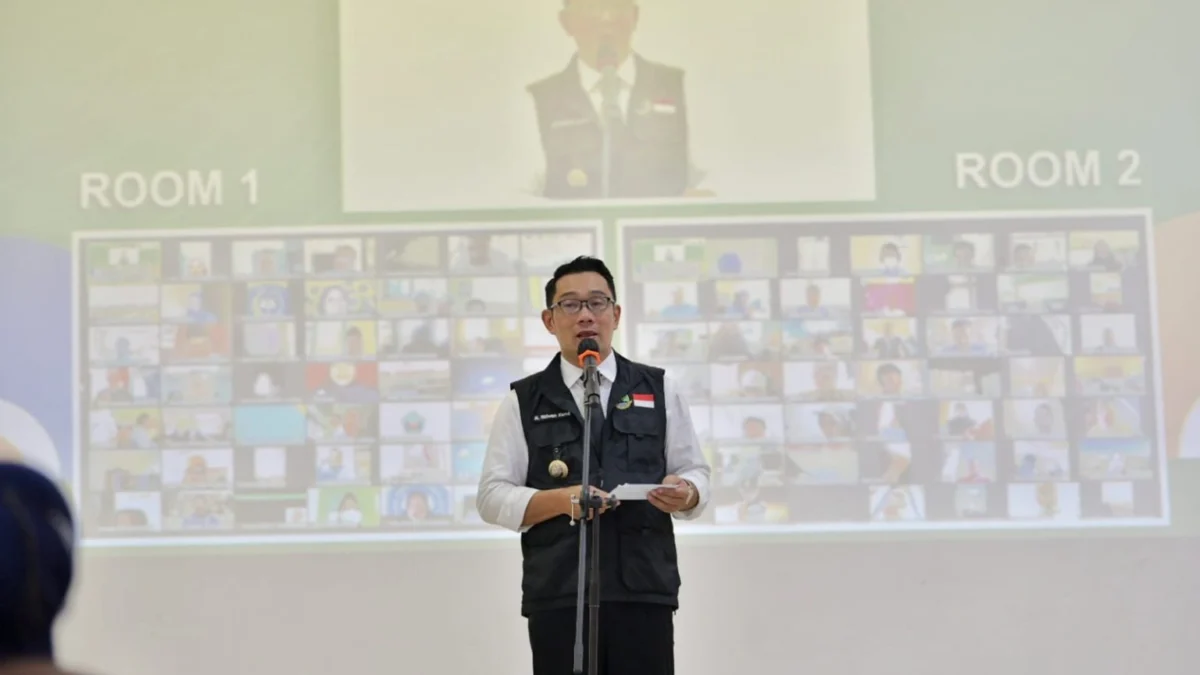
1094, 607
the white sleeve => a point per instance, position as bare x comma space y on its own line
503, 495
685, 457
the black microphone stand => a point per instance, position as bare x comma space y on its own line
589, 580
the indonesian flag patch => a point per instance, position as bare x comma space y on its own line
643, 400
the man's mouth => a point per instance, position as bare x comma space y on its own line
583, 335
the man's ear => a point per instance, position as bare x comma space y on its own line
548, 320
616, 316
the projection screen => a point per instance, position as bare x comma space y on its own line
924, 272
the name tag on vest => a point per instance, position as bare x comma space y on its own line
546, 417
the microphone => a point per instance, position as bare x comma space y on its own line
588, 588
589, 360
589, 354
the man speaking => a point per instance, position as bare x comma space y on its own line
532, 470
612, 124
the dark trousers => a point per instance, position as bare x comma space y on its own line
634, 639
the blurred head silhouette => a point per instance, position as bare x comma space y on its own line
602, 29
36, 565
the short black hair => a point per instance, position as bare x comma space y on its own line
886, 369
577, 266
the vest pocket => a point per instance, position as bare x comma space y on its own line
544, 550
644, 452
649, 562
555, 440
569, 138
550, 434
659, 128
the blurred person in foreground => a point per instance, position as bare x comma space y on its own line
532, 470
36, 568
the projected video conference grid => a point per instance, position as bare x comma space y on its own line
956, 373
270, 384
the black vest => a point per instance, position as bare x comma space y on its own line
637, 552
649, 152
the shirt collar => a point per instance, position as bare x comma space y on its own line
589, 77
571, 372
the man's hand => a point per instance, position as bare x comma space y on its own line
681, 497
573, 497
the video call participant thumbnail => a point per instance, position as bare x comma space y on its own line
609, 86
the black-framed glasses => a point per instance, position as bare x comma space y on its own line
596, 304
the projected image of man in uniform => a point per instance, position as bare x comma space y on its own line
613, 124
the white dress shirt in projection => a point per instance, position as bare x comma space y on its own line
503, 495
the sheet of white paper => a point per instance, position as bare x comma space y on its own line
633, 491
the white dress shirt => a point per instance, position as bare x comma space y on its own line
503, 495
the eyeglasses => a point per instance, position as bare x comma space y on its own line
596, 304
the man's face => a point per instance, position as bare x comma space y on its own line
354, 345
963, 255
824, 377
350, 423
479, 249
962, 337
754, 428
344, 258
1023, 256
891, 382
418, 508
1044, 419
813, 295
570, 329
593, 23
